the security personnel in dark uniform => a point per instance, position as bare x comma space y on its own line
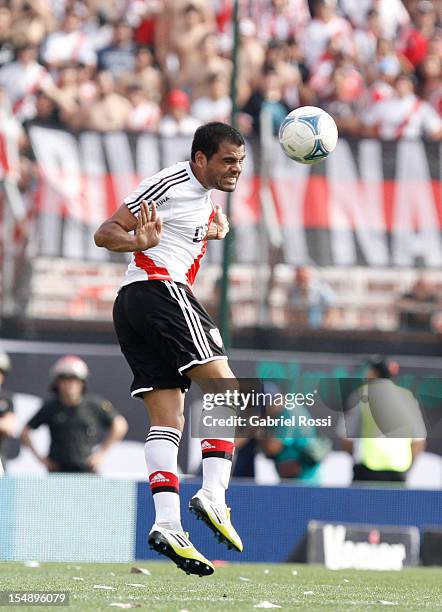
75, 420
7, 416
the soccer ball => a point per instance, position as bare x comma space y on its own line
308, 135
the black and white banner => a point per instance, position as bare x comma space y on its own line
371, 203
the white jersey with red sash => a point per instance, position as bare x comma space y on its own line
187, 210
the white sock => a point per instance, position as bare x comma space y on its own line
217, 464
161, 452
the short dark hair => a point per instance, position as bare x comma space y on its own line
384, 366
208, 138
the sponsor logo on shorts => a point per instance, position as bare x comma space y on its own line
216, 337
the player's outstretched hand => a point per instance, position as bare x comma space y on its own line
219, 228
149, 227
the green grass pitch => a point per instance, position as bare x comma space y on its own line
232, 587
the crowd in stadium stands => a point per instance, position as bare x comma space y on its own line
164, 66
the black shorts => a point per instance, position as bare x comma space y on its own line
163, 331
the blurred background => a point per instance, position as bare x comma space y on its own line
326, 265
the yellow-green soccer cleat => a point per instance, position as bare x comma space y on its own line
177, 546
217, 518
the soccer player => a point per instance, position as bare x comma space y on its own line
167, 337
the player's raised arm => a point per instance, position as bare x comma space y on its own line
115, 234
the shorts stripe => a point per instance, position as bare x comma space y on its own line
173, 290
141, 390
197, 322
196, 362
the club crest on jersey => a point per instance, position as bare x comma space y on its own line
216, 337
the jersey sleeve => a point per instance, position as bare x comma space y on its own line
40, 418
142, 192
158, 188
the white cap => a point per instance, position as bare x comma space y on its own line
70, 365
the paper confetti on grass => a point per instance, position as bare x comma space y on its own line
140, 570
104, 587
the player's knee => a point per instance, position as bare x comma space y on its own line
214, 377
176, 421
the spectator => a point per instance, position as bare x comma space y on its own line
282, 19
311, 301
11, 130
6, 41
383, 73
417, 307
366, 38
145, 17
7, 416
144, 115
415, 40
187, 39
217, 105
251, 56
146, 75
289, 73
173, 20
325, 25
69, 45
31, 21
22, 78
87, 84
382, 427
110, 110
429, 75
392, 13
119, 57
75, 420
332, 59
46, 113
344, 102
209, 61
296, 450
267, 98
67, 97
178, 121
405, 115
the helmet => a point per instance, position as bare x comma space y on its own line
70, 365
5, 362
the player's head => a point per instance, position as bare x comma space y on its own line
218, 152
68, 378
5, 365
381, 366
